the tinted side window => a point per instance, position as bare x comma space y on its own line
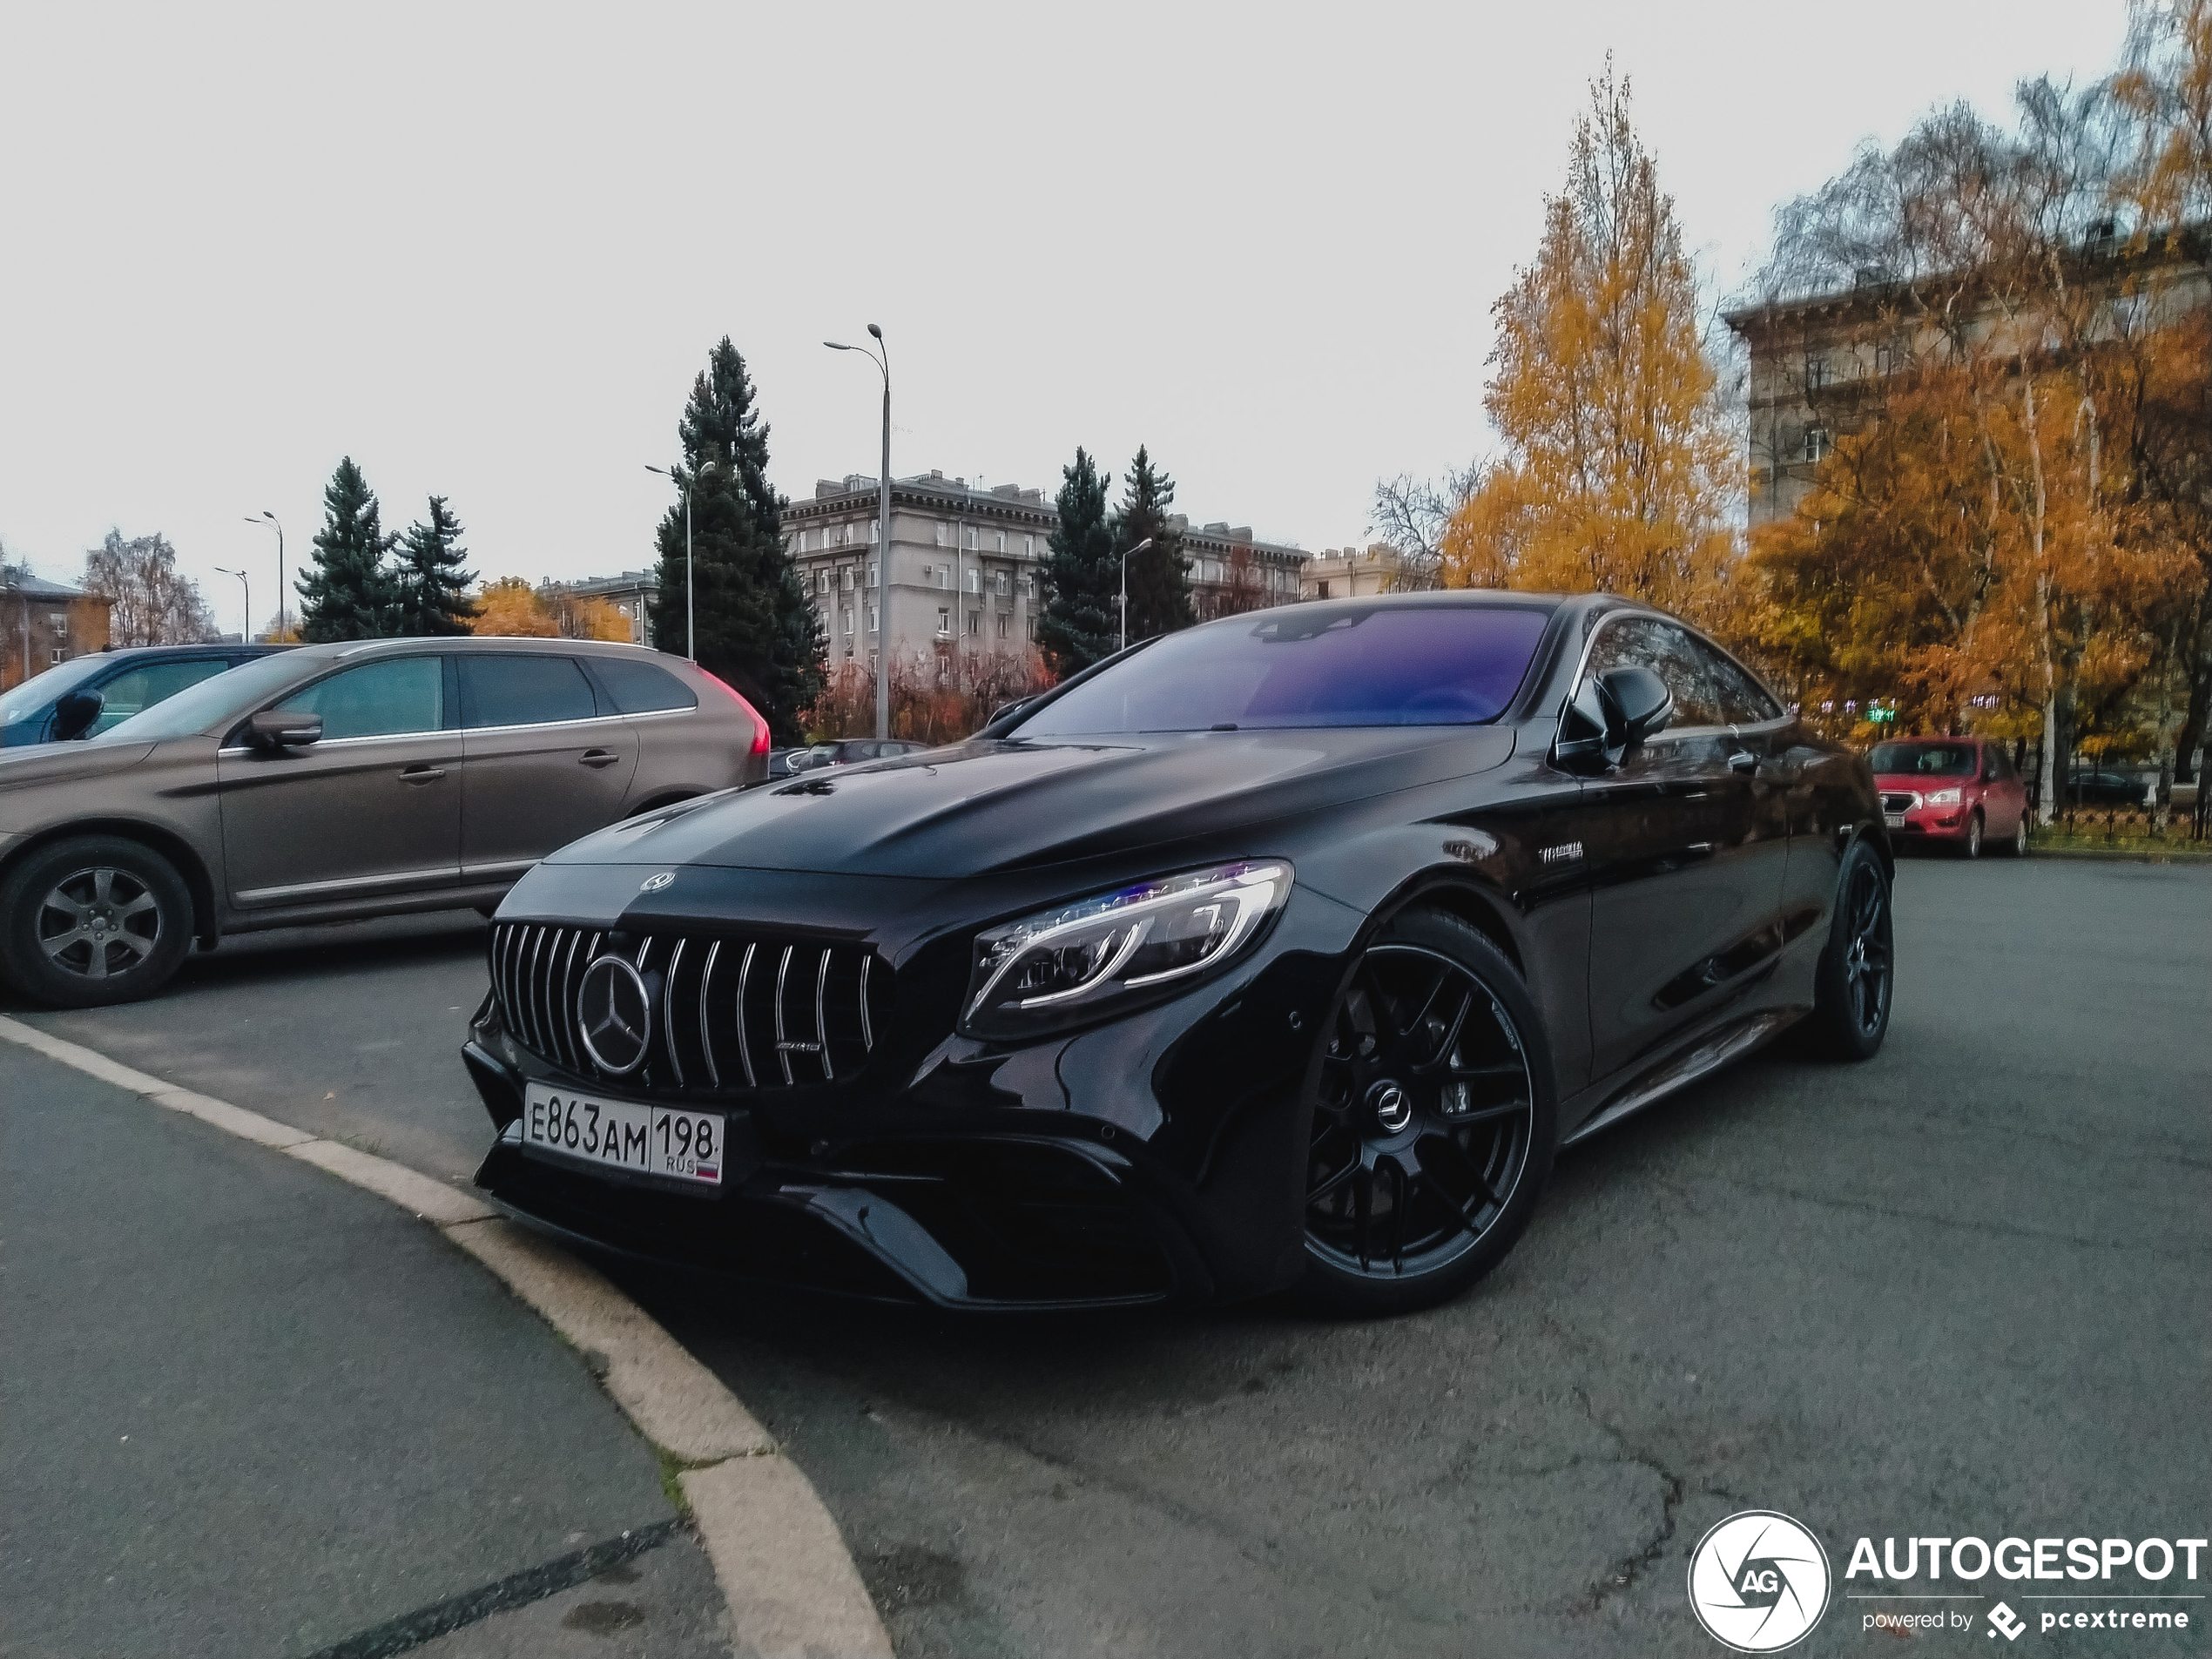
141, 688
1646, 642
378, 699
1743, 701
640, 687
523, 690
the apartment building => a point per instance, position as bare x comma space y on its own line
966, 564
45, 623
1349, 572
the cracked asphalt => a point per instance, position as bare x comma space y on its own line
1957, 1290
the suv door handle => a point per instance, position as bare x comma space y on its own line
598, 758
1743, 761
422, 774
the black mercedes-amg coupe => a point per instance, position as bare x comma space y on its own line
1283, 951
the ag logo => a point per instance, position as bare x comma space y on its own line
655, 883
1758, 1581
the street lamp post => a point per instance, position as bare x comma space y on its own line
882, 358
274, 520
1139, 547
246, 636
690, 616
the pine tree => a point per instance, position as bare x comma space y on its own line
433, 588
1078, 625
349, 594
1159, 578
756, 629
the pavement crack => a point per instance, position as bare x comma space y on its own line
1626, 1571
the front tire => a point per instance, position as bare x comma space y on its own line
1971, 848
1855, 983
1433, 1121
93, 920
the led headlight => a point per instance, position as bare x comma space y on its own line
1062, 966
1944, 798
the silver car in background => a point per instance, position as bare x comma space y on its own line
340, 781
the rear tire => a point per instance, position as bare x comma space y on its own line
1432, 1125
1855, 983
93, 920
2017, 847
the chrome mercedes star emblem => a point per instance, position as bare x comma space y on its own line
655, 883
614, 1015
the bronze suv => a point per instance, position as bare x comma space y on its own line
340, 781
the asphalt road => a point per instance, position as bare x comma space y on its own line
1956, 1290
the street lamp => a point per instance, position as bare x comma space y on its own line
690, 616
272, 518
247, 637
882, 358
1139, 547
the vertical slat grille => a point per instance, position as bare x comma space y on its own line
728, 1013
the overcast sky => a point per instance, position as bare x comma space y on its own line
483, 251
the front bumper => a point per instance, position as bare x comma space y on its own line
1153, 1158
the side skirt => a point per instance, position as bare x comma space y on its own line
1708, 1055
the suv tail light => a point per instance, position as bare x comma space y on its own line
759, 726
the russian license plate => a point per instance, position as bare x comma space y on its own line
1895, 821
623, 1134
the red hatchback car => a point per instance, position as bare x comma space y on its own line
1962, 792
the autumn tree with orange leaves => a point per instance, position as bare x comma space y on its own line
1618, 469
2009, 345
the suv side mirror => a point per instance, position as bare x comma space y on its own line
274, 729
1609, 715
74, 713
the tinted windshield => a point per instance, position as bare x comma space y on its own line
197, 707
36, 694
1924, 760
1309, 665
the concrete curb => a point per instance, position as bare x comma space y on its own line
793, 1590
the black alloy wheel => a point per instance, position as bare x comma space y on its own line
94, 920
1432, 1121
1856, 976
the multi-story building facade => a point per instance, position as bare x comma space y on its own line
1348, 572
1818, 364
44, 623
966, 562
631, 595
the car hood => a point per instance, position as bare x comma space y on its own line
42, 763
980, 806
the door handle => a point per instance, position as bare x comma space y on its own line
598, 758
1743, 761
422, 774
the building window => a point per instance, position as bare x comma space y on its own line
1006, 584
1029, 589
872, 575
802, 541
60, 654
1816, 370
849, 619
941, 535
872, 620
942, 575
974, 623
1817, 445
974, 581
58, 620
874, 530
1321, 590
971, 538
1001, 541
944, 622
1003, 620
1029, 547
822, 580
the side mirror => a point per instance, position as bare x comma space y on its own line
1006, 711
275, 729
1640, 704
74, 713
1609, 715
